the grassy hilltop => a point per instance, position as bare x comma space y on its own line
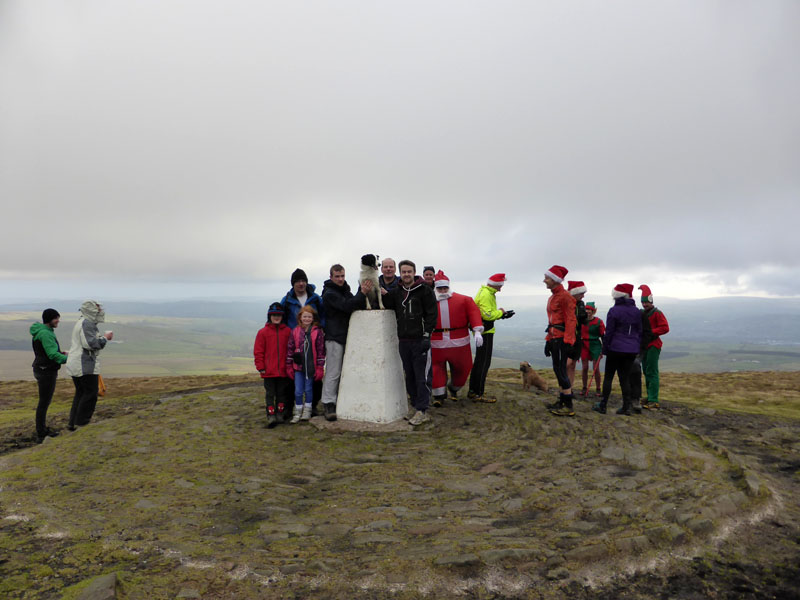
177, 490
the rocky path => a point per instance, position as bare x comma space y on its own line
191, 497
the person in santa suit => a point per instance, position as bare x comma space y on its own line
651, 346
457, 314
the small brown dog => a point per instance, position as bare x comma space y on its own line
531, 378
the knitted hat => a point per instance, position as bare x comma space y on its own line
49, 314
647, 294
556, 273
441, 280
591, 306
622, 290
276, 308
576, 287
299, 275
497, 280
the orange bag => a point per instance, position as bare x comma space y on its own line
101, 386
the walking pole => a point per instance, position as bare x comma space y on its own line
594, 373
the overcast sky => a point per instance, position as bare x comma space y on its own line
168, 148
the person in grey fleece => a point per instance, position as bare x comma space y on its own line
83, 364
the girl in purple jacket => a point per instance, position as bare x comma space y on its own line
306, 359
620, 345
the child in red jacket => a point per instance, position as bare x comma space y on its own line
270, 351
306, 359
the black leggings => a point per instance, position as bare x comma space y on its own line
559, 352
619, 363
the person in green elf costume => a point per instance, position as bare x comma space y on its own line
651, 346
591, 335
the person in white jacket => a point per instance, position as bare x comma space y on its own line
83, 364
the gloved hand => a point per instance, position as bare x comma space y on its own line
508, 314
297, 357
425, 344
478, 339
547, 351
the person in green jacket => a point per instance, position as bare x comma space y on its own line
487, 304
48, 359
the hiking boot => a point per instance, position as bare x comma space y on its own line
486, 399
296, 415
452, 393
306, 414
599, 407
50, 432
625, 409
437, 401
564, 411
419, 418
636, 409
651, 405
330, 411
471, 395
280, 412
555, 405
272, 421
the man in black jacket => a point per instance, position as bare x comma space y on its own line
339, 304
414, 304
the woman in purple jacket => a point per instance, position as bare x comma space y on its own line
620, 345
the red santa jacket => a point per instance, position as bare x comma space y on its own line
561, 319
269, 350
456, 316
659, 325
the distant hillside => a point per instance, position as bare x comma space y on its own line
204, 336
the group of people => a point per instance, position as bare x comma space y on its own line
81, 362
306, 332
630, 339
301, 346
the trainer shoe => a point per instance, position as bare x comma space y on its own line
564, 411
330, 411
411, 412
419, 418
306, 414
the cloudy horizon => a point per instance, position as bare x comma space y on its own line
154, 149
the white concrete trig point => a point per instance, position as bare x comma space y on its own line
372, 386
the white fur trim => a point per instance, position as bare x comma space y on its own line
578, 290
615, 294
553, 276
441, 283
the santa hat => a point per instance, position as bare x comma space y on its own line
647, 293
591, 306
440, 280
576, 287
622, 290
556, 273
497, 280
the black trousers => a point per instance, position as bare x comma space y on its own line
85, 400
619, 363
416, 364
559, 352
635, 379
480, 368
277, 390
46, 379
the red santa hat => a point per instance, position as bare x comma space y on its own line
576, 287
556, 273
497, 280
647, 293
440, 280
622, 290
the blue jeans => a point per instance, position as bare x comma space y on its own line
303, 385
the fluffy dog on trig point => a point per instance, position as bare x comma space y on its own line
531, 378
369, 272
